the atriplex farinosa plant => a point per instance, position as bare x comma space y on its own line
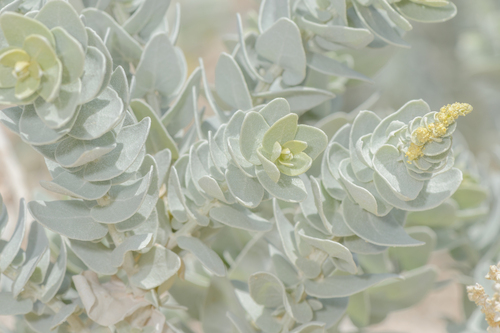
171, 216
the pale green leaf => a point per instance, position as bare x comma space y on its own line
344, 285
60, 14
428, 14
98, 116
282, 45
208, 257
70, 218
155, 267
230, 84
380, 230
238, 217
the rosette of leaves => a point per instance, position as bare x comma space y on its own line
369, 167
388, 19
53, 63
39, 283
271, 146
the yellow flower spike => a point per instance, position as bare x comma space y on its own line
443, 119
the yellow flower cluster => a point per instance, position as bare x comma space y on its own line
443, 119
489, 306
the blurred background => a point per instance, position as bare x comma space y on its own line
454, 61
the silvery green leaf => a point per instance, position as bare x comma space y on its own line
409, 259
72, 153
163, 159
286, 232
159, 70
246, 190
71, 54
240, 324
56, 275
180, 113
210, 187
17, 27
158, 138
175, 197
208, 257
275, 110
97, 42
61, 14
344, 285
380, 230
300, 99
435, 191
300, 311
374, 21
442, 216
132, 169
266, 289
271, 11
149, 14
253, 128
394, 16
95, 255
140, 222
316, 140
311, 210
10, 250
10, 306
133, 243
332, 311
62, 109
233, 149
34, 131
239, 217
409, 111
365, 122
401, 294
70, 218
155, 267
359, 245
230, 84
129, 142
319, 10
40, 271
119, 83
219, 159
359, 309
288, 188
123, 48
428, 14
94, 74
341, 255
329, 66
261, 316
37, 245
98, 116
285, 271
351, 37
123, 201
63, 314
312, 327
282, 44
10, 117
364, 194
